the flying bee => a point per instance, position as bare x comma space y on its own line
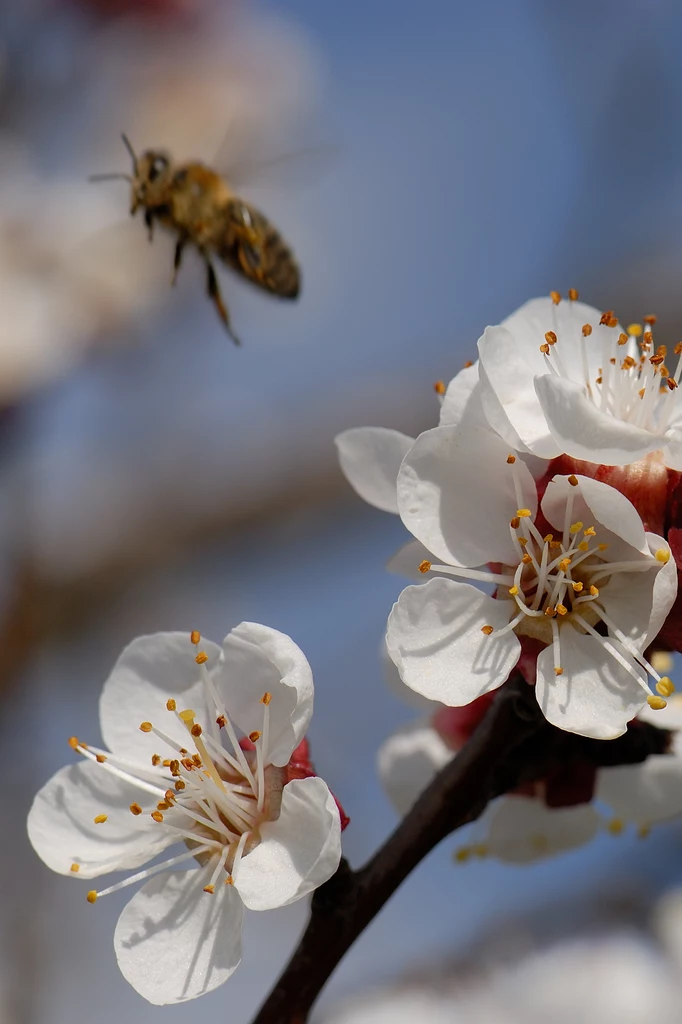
200, 208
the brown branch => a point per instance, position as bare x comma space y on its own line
343, 907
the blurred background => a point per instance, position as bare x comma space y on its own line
152, 476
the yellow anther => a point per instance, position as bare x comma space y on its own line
573, 480
577, 586
266, 698
555, 297
169, 796
602, 547
663, 555
615, 826
665, 686
100, 819
195, 636
549, 538
479, 850
583, 546
179, 784
196, 730
656, 703
162, 805
145, 726
515, 522
135, 809
229, 880
75, 868
513, 591
156, 760
209, 889
576, 527
561, 609
590, 532
221, 721
564, 564
92, 896
425, 566
523, 513
100, 758
635, 330
550, 611
550, 337
74, 742
527, 559
174, 767
650, 319
487, 630
170, 704
254, 736
558, 671
511, 459
188, 715
573, 294
522, 541
587, 330
597, 380
594, 591
662, 661
539, 843
157, 816
439, 387
622, 339
678, 348
643, 831
462, 855
201, 658
672, 384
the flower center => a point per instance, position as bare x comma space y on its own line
213, 795
633, 382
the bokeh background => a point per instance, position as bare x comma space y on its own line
152, 476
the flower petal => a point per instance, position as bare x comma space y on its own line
370, 458
174, 941
583, 431
398, 687
62, 830
595, 696
643, 793
408, 761
149, 671
456, 494
297, 852
457, 396
259, 660
522, 829
598, 504
434, 637
664, 590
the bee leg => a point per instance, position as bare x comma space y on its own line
177, 259
149, 221
213, 290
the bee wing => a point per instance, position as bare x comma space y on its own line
295, 167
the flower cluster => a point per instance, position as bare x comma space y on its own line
205, 750
544, 509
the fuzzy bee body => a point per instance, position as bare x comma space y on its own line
198, 206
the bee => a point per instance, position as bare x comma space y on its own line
200, 208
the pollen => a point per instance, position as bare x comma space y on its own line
678, 348
665, 686
550, 611
209, 889
590, 532
672, 383
656, 703
439, 387
622, 339
663, 555
550, 337
524, 513
229, 880
145, 726
74, 742
92, 896
135, 809
594, 591
635, 330
564, 564
170, 704
577, 586
515, 523
266, 698
615, 826
583, 546
522, 541
163, 805
196, 730
179, 785
254, 736
467, 364
100, 819
425, 566
221, 721
527, 559
573, 294
195, 637
513, 591
75, 868
561, 609
487, 630
650, 319
100, 758
573, 480
558, 671
201, 658
549, 538
587, 330
157, 816
169, 795
576, 527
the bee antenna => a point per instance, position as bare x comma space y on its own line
113, 176
128, 145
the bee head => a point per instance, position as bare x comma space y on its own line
150, 178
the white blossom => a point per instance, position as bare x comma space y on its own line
174, 771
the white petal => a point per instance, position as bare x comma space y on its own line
370, 458
408, 761
62, 830
595, 696
507, 372
434, 637
174, 941
672, 452
398, 687
298, 852
664, 591
457, 396
149, 671
522, 829
643, 793
598, 504
495, 414
456, 494
259, 660
583, 431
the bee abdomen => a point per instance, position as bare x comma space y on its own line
253, 247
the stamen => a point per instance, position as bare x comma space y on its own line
147, 873
101, 818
